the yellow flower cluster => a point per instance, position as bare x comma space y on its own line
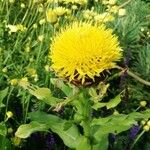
112, 7
82, 51
15, 28
92, 15
81, 2
53, 14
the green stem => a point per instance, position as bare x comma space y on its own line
138, 137
134, 76
27, 108
7, 101
87, 113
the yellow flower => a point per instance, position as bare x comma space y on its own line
5, 70
14, 82
112, 2
23, 5
51, 16
82, 51
9, 114
20, 27
143, 103
60, 11
12, 28
15, 28
31, 72
113, 9
40, 38
146, 128
122, 12
16, 141
104, 17
42, 21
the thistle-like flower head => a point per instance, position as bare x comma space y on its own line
83, 50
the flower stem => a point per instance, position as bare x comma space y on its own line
135, 76
135, 141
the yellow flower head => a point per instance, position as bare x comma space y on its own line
82, 51
51, 16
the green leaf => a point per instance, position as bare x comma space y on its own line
3, 94
102, 143
43, 94
116, 123
61, 85
114, 102
5, 144
83, 144
69, 135
26, 130
103, 121
3, 129
98, 105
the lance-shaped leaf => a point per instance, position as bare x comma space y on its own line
26, 130
67, 130
114, 102
43, 94
3, 94
116, 123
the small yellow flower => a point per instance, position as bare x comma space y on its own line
16, 141
122, 12
146, 128
23, 82
47, 68
82, 51
20, 27
36, 78
143, 122
42, 21
35, 26
143, 103
105, 2
9, 114
60, 11
104, 17
14, 82
31, 72
27, 49
51, 16
113, 9
11, 1
5, 70
40, 8
142, 29
112, 2
148, 123
12, 28
40, 38
74, 7
23, 5
24, 79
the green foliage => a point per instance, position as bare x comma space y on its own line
82, 116
3, 94
42, 121
3, 129
25, 131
